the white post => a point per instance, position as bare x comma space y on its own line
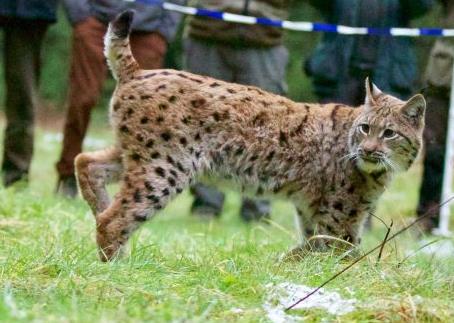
445, 210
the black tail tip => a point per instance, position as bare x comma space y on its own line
121, 25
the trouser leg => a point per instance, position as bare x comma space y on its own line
206, 59
22, 64
435, 143
261, 67
87, 74
148, 49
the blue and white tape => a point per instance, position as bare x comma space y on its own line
300, 25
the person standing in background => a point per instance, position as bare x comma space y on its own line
244, 54
437, 79
24, 25
341, 63
153, 28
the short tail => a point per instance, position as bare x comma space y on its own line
117, 49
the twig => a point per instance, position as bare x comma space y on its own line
384, 241
424, 216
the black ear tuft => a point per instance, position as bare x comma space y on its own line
121, 25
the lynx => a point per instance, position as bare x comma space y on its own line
332, 161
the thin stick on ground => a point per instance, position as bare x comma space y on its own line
384, 241
423, 217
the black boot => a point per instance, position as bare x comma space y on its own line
67, 186
255, 210
207, 200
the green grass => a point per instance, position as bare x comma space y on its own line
182, 268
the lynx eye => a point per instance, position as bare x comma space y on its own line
364, 128
389, 134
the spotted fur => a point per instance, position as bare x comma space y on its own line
332, 161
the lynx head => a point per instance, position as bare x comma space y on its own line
387, 134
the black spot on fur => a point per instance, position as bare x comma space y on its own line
160, 171
185, 120
197, 103
270, 155
197, 137
144, 120
353, 212
215, 84
160, 119
124, 129
239, 151
173, 99
282, 138
135, 157
139, 137
179, 190
174, 173
116, 106
153, 198
131, 97
163, 106
149, 143
196, 80
197, 154
147, 76
338, 206
165, 192
137, 196
183, 141
166, 136
145, 97
180, 167
171, 181
232, 91
170, 160
216, 116
155, 155
161, 87
148, 186
140, 217
351, 189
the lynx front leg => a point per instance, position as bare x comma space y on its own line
94, 170
328, 229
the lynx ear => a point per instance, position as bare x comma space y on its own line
415, 108
372, 92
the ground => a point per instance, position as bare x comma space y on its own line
182, 268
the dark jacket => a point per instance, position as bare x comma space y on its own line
29, 9
234, 34
395, 68
149, 18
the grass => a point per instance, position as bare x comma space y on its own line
182, 268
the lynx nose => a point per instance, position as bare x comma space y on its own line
369, 147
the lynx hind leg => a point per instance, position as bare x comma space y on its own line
145, 189
93, 171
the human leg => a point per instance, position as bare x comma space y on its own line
22, 65
87, 74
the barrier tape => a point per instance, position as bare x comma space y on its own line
300, 25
